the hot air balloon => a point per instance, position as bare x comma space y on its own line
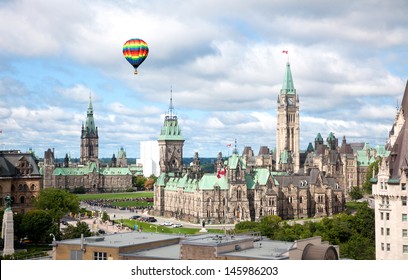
135, 51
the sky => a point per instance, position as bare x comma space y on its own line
222, 61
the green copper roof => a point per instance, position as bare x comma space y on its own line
284, 156
261, 177
364, 160
161, 180
310, 147
209, 181
122, 153
233, 160
319, 137
90, 123
187, 184
287, 87
83, 170
171, 130
331, 136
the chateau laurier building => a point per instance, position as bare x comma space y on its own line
245, 187
390, 192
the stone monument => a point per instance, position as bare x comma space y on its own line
203, 229
7, 231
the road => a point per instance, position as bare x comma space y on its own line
116, 214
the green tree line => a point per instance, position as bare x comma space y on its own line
354, 233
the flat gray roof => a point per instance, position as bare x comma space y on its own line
264, 249
121, 239
214, 239
171, 252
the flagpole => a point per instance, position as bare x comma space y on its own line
4, 144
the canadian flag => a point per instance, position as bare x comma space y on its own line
284, 51
221, 172
229, 145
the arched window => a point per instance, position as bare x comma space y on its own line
239, 194
32, 187
300, 199
22, 199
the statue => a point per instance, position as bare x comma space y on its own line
8, 202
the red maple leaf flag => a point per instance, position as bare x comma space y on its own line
229, 145
221, 172
285, 51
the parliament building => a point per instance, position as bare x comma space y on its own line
246, 187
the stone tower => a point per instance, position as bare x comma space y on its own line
287, 128
171, 143
89, 138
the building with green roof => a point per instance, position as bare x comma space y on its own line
242, 187
347, 162
89, 174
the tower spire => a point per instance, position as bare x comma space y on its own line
287, 86
171, 107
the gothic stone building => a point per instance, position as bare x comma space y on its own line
244, 187
348, 163
20, 178
90, 173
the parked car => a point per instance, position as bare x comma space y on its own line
151, 219
135, 217
168, 223
177, 225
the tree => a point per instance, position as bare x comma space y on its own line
356, 193
372, 168
246, 226
105, 216
37, 225
139, 181
71, 231
269, 225
150, 183
359, 247
57, 202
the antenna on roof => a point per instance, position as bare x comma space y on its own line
171, 107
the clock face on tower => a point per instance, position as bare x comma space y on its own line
290, 101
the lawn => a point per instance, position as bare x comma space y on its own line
96, 196
149, 227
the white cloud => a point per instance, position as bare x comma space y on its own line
225, 66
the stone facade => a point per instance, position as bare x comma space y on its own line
348, 163
389, 189
287, 127
243, 193
20, 178
90, 174
247, 187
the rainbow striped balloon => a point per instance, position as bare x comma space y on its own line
135, 51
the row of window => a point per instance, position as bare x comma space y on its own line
22, 200
404, 247
386, 200
21, 187
100, 256
384, 186
388, 231
387, 216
